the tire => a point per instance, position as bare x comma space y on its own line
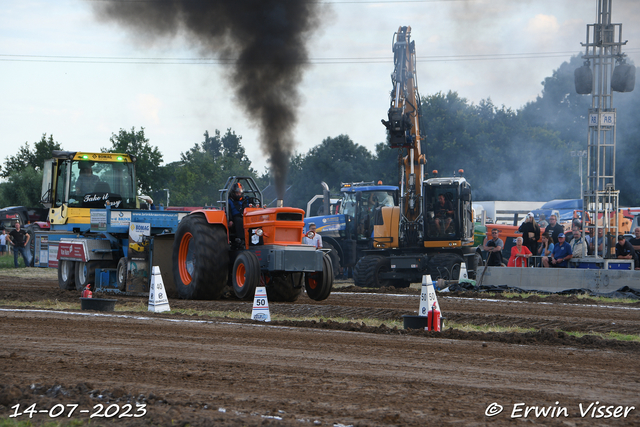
121, 274
245, 275
445, 266
200, 259
335, 258
367, 271
319, 284
32, 241
67, 275
285, 287
85, 274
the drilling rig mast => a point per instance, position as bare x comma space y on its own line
604, 71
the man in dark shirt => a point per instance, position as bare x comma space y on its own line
494, 246
635, 241
561, 253
624, 250
443, 212
20, 239
554, 229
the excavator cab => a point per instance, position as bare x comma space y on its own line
449, 215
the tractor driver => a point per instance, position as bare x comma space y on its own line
86, 182
237, 203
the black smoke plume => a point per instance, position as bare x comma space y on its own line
264, 39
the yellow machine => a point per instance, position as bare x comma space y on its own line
432, 230
75, 182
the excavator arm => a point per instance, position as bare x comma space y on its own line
403, 125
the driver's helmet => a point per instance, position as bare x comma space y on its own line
236, 191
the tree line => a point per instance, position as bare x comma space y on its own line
506, 154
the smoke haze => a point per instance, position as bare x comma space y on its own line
265, 40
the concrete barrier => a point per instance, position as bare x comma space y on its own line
560, 279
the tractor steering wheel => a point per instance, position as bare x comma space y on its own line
253, 201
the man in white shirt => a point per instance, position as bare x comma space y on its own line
312, 238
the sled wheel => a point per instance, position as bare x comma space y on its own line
121, 274
66, 275
85, 274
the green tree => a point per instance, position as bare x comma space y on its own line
148, 157
22, 189
27, 158
202, 171
334, 161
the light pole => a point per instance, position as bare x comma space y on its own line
167, 190
580, 154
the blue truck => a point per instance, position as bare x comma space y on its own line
350, 231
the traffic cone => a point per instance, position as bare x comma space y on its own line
158, 301
261, 305
427, 296
464, 275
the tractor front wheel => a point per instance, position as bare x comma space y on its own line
246, 275
318, 284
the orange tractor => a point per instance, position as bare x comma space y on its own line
209, 257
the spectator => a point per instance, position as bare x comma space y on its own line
3, 242
519, 254
561, 252
494, 247
546, 249
601, 241
20, 239
312, 238
530, 233
635, 241
625, 250
554, 229
579, 246
542, 222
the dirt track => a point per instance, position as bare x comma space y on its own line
214, 371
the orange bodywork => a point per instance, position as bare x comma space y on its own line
281, 226
215, 217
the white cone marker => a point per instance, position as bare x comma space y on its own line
261, 305
158, 301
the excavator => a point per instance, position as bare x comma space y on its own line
432, 230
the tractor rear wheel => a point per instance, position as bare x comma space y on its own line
318, 284
66, 275
200, 259
367, 271
285, 287
246, 275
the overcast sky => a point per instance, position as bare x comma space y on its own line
65, 73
